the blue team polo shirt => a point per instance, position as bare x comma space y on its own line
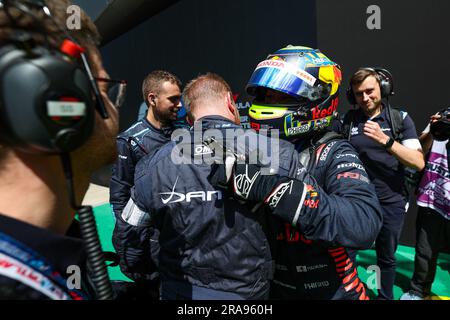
384, 170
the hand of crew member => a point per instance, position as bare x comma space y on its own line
373, 130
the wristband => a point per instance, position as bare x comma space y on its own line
389, 143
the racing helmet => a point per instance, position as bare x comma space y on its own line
308, 78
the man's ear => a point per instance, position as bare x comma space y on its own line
190, 119
233, 108
230, 103
151, 98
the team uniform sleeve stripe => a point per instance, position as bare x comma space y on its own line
134, 216
300, 204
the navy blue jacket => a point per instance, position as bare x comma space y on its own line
211, 240
134, 243
140, 139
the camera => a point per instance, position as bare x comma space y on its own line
441, 129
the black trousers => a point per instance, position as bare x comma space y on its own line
386, 244
432, 235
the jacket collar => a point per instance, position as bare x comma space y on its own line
215, 122
381, 116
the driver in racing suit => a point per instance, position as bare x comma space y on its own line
330, 207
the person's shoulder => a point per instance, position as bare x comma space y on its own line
152, 159
400, 113
340, 149
343, 144
286, 149
163, 152
408, 127
135, 128
406, 118
403, 114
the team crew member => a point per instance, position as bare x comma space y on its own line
162, 93
330, 206
372, 130
42, 73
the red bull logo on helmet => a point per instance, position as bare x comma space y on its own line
317, 113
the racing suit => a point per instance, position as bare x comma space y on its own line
137, 247
318, 217
339, 210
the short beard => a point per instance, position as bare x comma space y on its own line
165, 118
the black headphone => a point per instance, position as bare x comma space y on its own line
385, 80
46, 102
46, 95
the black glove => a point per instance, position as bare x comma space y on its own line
246, 179
222, 170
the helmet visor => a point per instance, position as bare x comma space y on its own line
285, 77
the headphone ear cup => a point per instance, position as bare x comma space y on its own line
350, 96
385, 88
46, 103
386, 82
